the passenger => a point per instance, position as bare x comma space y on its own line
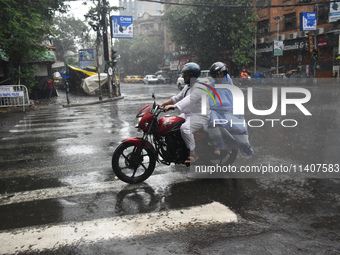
236, 125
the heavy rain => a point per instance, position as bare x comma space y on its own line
93, 162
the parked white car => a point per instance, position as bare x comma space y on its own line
150, 79
205, 77
163, 79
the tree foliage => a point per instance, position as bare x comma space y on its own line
215, 33
70, 34
24, 26
142, 55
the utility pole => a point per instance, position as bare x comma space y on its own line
278, 17
97, 49
105, 44
110, 64
255, 42
99, 22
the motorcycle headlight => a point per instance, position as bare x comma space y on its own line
137, 120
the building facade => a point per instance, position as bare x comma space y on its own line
276, 20
148, 21
136, 8
280, 20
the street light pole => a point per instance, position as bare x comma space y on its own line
278, 17
255, 42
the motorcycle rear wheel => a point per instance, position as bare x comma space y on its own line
132, 165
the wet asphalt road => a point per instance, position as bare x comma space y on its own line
56, 169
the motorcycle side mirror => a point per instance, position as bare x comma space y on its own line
154, 100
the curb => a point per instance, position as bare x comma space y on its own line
95, 102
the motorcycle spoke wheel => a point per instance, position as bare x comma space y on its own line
131, 164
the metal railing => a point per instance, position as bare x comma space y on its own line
14, 95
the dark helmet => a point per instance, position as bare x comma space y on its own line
192, 69
218, 67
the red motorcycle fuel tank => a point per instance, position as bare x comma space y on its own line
168, 124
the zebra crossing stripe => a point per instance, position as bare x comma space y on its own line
55, 236
82, 189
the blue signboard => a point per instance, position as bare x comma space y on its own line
307, 21
122, 26
334, 12
86, 55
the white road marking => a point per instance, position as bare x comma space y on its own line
50, 129
75, 168
55, 236
76, 190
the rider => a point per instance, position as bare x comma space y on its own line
188, 101
244, 74
236, 126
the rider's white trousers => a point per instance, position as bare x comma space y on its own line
192, 124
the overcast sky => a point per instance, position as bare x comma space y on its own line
78, 10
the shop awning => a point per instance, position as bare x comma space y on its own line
89, 73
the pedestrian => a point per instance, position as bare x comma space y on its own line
188, 101
298, 69
50, 86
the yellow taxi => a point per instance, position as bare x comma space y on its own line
128, 79
137, 79
133, 79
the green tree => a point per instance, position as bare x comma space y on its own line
141, 55
24, 26
71, 33
215, 33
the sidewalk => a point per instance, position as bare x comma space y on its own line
75, 100
61, 100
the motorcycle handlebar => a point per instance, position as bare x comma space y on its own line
170, 109
162, 108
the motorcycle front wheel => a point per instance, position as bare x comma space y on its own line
228, 157
131, 164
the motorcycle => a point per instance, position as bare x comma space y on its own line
134, 160
246, 81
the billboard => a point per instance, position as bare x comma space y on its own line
278, 48
86, 55
307, 21
122, 26
334, 11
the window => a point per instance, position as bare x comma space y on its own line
263, 26
289, 21
323, 14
